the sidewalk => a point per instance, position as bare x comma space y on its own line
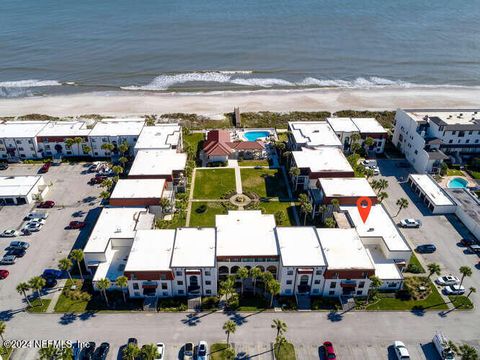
55, 295
238, 179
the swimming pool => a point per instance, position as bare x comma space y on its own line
255, 135
457, 183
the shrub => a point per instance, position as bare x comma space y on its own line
210, 303
201, 209
414, 269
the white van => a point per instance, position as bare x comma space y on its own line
442, 346
37, 215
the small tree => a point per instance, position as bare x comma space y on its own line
123, 147
468, 352
122, 282
368, 173
22, 289
229, 353
102, 286
402, 203
117, 169
382, 196
280, 217
242, 274
471, 290
368, 142
466, 272
330, 222
280, 326
227, 287
294, 173
78, 140
280, 341
255, 273
433, 268
77, 256
37, 283
66, 264
149, 352
49, 352
66, 353
130, 352
273, 287
3, 328
105, 195
374, 285
107, 184
123, 160
306, 208
86, 149
69, 142
229, 327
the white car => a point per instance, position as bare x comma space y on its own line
202, 350
410, 223
33, 226
37, 221
447, 280
401, 351
161, 351
9, 233
454, 290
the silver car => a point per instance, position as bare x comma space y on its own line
9, 233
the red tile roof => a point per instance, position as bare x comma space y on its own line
218, 144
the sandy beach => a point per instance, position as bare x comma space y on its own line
214, 103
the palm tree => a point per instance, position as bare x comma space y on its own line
471, 290
382, 184
77, 256
66, 353
402, 203
280, 326
66, 264
49, 353
433, 268
242, 274
150, 120
22, 289
468, 352
255, 273
354, 138
273, 287
149, 352
117, 169
286, 156
107, 183
229, 353
123, 160
86, 149
368, 173
227, 287
374, 184
78, 140
3, 327
69, 142
267, 276
164, 204
105, 195
37, 283
123, 147
122, 282
305, 206
368, 142
294, 173
374, 285
107, 147
102, 286
130, 352
465, 271
382, 196
335, 204
229, 327
330, 222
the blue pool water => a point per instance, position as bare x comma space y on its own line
255, 135
457, 183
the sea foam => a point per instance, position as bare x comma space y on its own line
29, 83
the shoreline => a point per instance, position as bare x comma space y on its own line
219, 102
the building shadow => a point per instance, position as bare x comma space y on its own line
430, 352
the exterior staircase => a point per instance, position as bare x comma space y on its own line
303, 302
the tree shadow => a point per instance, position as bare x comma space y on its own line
67, 318
8, 315
335, 316
87, 315
244, 356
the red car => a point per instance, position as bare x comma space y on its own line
97, 180
329, 350
77, 224
45, 167
3, 274
46, 204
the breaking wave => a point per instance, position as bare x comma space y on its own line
29, 83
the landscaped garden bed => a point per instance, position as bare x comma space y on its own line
461, 302
172, 304
38, 305
285, 351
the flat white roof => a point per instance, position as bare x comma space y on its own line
342, 124
343, 249
113, 267
138, 189
112, 223
17, 185
163, 136
314, 133
65, 128
436, 195
368, 126
246, 233
451, 117
21, 129
158, 162
194, 247
299, 246
385, 269
346, 187
378, 224
118, 127
322, 159
151, 250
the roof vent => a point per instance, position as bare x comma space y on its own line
371, 229
118, 230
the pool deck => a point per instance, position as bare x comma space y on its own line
470, 181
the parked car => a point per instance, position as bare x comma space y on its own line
410, 223
76, 224
46, 204
447, 280
442, 345
202, 350
36, 221
8, 260
102, 351
97, 180
19, 245
4, 274
426, 249
88, 351
468, 242
401, 351
45, 167
370, 162
454, 290
3, 166
9, 233
33, 226
329, 351
37, 215
50, 283
161, 351
188, 351
26, 231
52, 273
474, 249
17, 252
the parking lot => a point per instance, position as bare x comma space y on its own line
73, 196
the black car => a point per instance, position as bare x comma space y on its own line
50, 283
102, 351
3, 166
426, 249
17, 252
88, 351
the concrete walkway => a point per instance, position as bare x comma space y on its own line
55, 294
190, 197
238, 179
290, 194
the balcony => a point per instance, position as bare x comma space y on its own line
303, 289
348, 284
193, 289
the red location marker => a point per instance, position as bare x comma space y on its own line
364, 204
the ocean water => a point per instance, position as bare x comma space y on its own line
51, 46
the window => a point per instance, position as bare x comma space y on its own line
289, 282
361, 284
20, 148
454, 132
331, 293
208, 292
104, 139
178, 273
179, 282
93, 140
392, 284
135, 286
359, 292
461, 133
476, 141
22, 155
180, 292
316, 282
208, 282
288, 291
467, 141
318, 272
18, 142
107, 153
30, 142
290, 272
165, 293
470, 132
164, 286
333, 285
136, 293
207, 273
450, 141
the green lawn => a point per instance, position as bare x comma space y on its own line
283, 136
39, 305
65, 304
432, 302
474, 174
285, 352
172, 304
264, 182
271, 207
253, 162
194, 141
461, 302
217, 351
414, 264
203, 213
213, 183
454, 172
252, 303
